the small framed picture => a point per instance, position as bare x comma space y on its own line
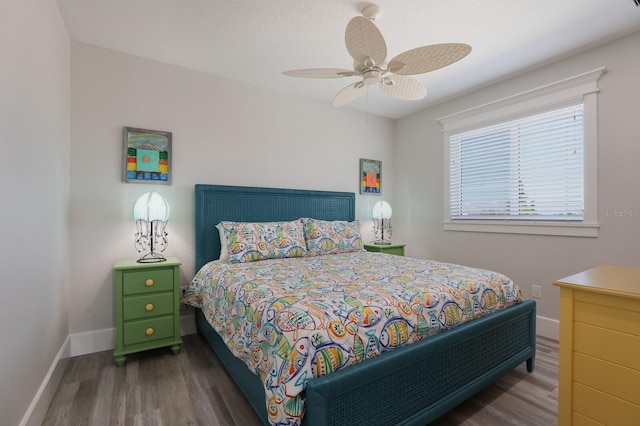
147, 156
370, 177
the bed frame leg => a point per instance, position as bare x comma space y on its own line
530, 364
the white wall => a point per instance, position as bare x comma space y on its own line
532, 259
34, 170
224, 132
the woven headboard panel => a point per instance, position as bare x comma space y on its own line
215, 203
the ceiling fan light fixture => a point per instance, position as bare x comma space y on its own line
371, 77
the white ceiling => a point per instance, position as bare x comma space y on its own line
255, 40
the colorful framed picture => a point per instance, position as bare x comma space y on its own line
370, 177
147, 156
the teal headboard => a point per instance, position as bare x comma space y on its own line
215, 203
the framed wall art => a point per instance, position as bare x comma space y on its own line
370, 176
147, 156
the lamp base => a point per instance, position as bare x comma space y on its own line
382, 242
151, 258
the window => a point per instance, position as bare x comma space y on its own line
525, 164
530, 168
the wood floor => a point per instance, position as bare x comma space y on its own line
192, 388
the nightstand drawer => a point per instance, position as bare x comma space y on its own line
147, 330
145, 281
397, 249
147, 305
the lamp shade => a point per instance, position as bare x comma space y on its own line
382, 210
151, 206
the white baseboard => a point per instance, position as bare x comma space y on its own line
89, 342
40, 404
548, 327
105, 339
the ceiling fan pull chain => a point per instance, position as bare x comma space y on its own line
368, 104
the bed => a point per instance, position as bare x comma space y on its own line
411, 385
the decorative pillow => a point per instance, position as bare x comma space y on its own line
325, 237
224, 252
251, 241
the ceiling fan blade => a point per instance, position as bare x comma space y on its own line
320, 73
402, 87
349, 94
365, 42
428, 58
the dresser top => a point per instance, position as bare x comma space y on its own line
609, 279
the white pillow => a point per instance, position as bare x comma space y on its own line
224, 251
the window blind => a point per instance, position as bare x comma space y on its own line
531, 169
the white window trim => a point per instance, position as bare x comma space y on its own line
580, 88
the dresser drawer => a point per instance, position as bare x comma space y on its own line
145, 281
147, 305
148, 330
609, 378
398, 251
603, 408
609, 345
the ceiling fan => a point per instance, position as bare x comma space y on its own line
368, 49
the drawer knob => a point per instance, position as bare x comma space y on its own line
148, 282
149, 307
149, 331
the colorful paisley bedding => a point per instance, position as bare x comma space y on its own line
291, 320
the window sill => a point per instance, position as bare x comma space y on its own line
566, 229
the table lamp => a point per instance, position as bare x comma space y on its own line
382, 222
151, 212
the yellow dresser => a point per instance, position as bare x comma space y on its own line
599, 380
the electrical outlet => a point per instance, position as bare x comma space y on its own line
536, 291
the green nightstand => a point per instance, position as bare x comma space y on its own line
397, 249
147, 307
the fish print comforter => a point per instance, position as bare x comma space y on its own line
291, 320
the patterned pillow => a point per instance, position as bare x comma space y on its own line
224, 252
324, 237
251, 241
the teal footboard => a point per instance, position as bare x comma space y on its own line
412, 385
